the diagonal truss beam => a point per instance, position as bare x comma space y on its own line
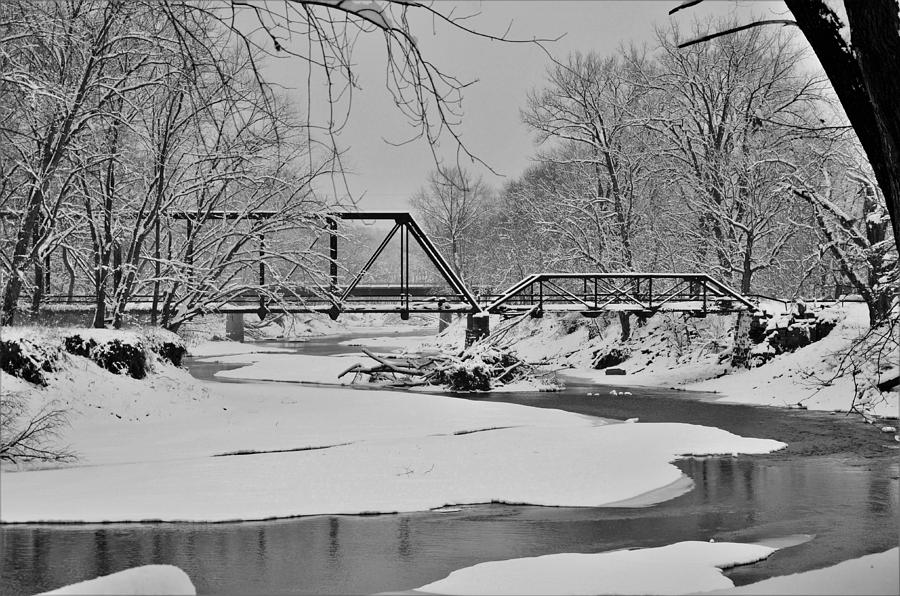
404, 222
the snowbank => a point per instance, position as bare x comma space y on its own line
673, 569
170, 449
148, 579
412, 473
681, 568
292, 368
802, 378
209, 349
674, 350
868, 575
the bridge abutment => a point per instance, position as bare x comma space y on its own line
234, 326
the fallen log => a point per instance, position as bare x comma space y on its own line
393, 368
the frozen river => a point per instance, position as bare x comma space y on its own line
836, 485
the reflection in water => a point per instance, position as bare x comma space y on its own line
851, 510
832, 482
333, 527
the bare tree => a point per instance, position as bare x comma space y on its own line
452, 208
733, 111
861, 65
591, 114
75, 68
852, 219
27, 435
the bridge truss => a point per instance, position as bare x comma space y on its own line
642, 293
354, 297
587, 293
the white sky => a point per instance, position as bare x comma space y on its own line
491, 127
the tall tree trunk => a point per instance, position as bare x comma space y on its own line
70, 271
863, 79
747, 266
21, 253
38, 294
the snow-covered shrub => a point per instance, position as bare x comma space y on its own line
611, 357
121, 357
166, 345
75, 344
28, 359
118, 356
678, 331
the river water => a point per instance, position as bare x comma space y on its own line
834, 492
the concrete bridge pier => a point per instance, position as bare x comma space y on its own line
478, 326
234, 326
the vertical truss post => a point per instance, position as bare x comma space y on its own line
189, 256
263, 310
596, 299
704, 295
262, 256
404, 272
333, 252
650, 292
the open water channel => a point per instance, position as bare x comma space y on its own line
833, 492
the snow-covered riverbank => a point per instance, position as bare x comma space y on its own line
673, 350
681, 568
185, 450
171, 448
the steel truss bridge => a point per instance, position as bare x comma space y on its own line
587, 293
641, 293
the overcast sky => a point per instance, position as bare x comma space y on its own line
387, 176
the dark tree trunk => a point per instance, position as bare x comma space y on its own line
625, 322
747, 266
864, 78
39, 289
70, 271
21, 255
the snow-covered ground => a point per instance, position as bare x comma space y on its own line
291, 368
210, 350
670, 350
680, 568
147, 579
169, 447
149, 452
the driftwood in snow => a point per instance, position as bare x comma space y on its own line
478, 368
